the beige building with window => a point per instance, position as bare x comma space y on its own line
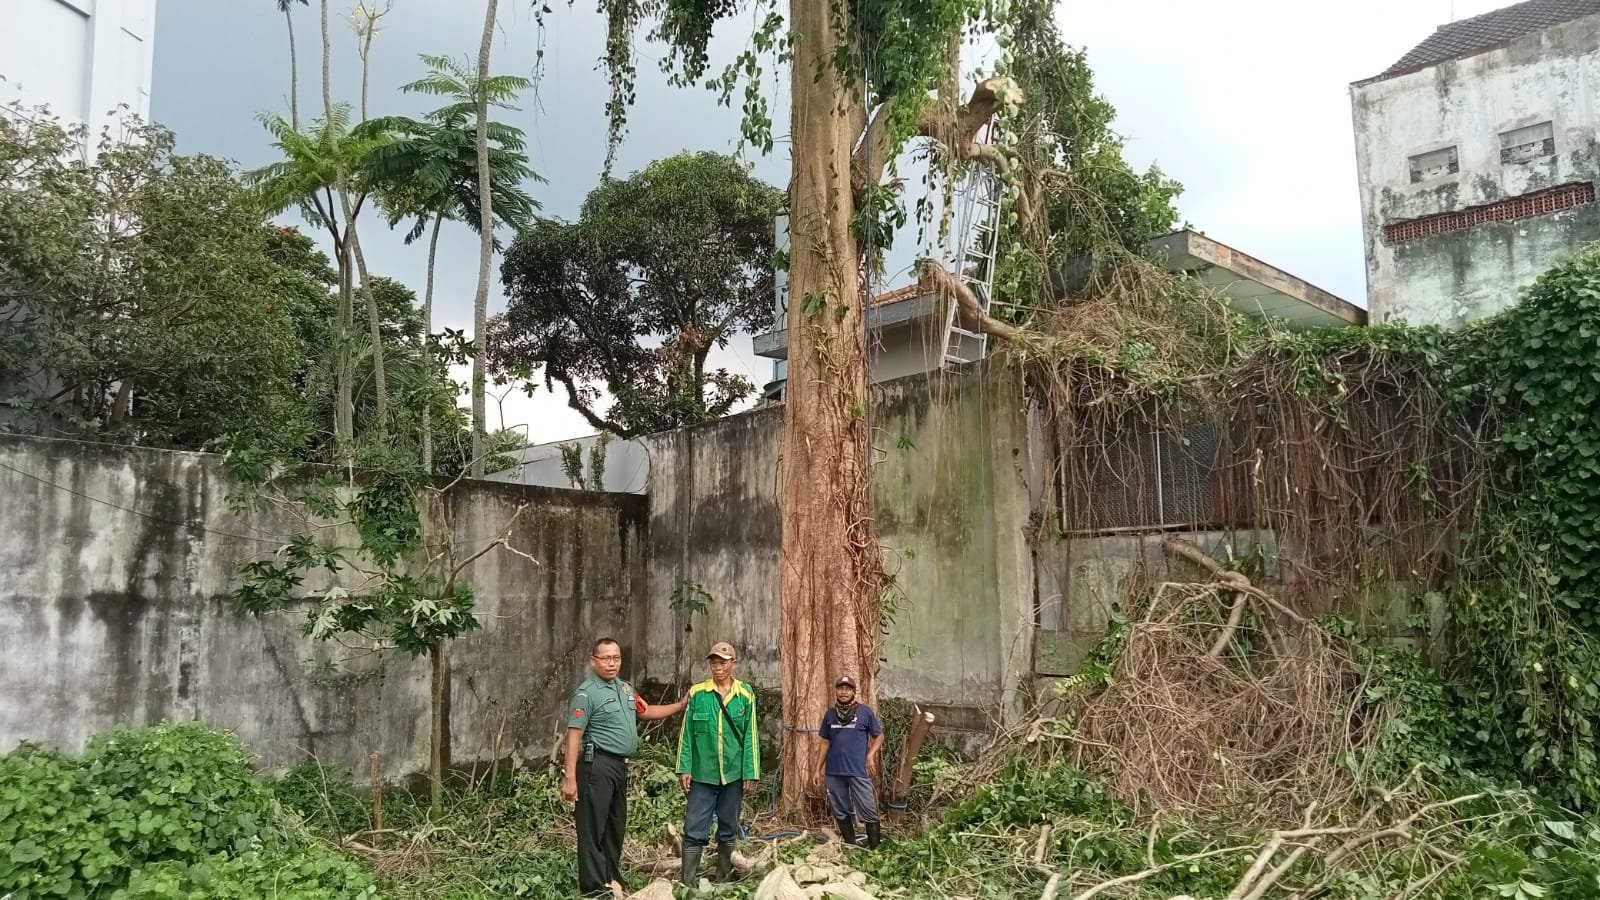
1477, 160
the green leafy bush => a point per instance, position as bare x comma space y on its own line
308, 872
55, 827
178, 791
164, 811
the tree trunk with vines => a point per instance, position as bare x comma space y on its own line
832, 572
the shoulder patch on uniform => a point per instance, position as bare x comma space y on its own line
577, 711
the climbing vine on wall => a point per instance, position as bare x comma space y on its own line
1464, 466
1534, 372
1528, 614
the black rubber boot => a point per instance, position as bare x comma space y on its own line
874, 835
724, 863
847, 830
691, 865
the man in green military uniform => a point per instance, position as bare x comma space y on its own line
718, 758
602, 732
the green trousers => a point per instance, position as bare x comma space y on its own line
602, 817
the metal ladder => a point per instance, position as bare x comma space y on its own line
975, 261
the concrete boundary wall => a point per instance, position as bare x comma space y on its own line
115, 563
952, 506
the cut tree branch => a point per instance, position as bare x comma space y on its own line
989, 96
934, 278
1227, 577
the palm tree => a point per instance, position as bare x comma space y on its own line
428, 172
451, 78
471, 94
284, 6
308, 177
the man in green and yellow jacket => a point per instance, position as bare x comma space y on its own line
718, 757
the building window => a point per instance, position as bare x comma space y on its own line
1538, 203
1434, 164
1522, 145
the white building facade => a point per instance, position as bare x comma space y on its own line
1477, 159
89, 61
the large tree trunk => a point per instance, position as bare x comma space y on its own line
427, 332
480, 301
832, 571
122, 403
294, 73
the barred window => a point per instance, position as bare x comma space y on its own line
1145, 479
1434, 164
1524, 145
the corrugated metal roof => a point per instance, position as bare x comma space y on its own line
1469, 37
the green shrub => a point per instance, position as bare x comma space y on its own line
178, 791
161, 811
55, 828
288, 873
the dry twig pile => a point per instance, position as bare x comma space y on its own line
1247, 715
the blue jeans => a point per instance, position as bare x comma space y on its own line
849, 794
706, 800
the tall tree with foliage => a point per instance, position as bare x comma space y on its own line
659, 269
1062, 125
320, 175
429, 171
138, 297
865, 77
364, 20
308, 178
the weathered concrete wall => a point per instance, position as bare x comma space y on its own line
1451, 278
714, 525
115, 564
1081, 581
951, 504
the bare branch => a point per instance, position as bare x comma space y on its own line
500, 541
1141, 875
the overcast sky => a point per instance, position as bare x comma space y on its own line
1244, 101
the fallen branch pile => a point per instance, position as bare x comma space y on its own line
1216, 717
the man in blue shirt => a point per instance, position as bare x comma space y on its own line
852, 740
